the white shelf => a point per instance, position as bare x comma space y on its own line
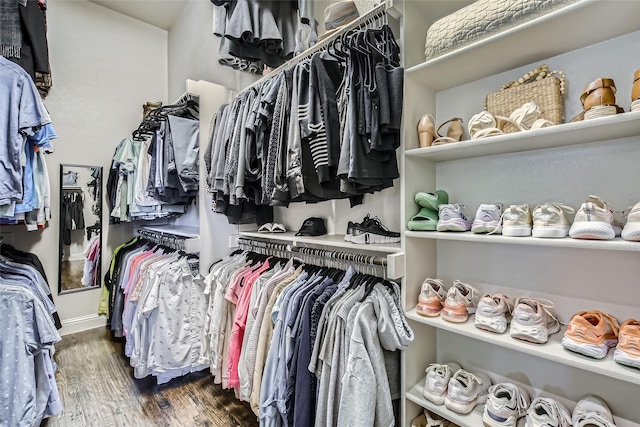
327, 240
617, 244
552, 350
472, 419
601, 129
561, 31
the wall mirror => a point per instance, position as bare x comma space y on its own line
80, 237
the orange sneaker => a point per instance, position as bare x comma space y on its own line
432, 295
628, 349
591, 333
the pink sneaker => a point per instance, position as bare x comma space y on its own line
461, 301
432, 295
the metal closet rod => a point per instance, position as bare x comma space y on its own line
378, 11
172, 240
322, 253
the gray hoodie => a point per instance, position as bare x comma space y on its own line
366, 398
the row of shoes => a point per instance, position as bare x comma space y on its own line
505, 403
370, 231
598, 100
532, 320
591, 333
594, 220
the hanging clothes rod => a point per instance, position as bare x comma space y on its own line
176, 241
321, 253
368, 18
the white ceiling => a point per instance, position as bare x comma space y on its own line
160, 13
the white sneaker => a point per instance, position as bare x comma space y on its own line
595, 220
437, 380
505, 405
549, 220
461, 301
516, 221
487, 219
493, 313
545, 412
631, 229
451, 218
534, 320
432, 295
466, 390
592, 411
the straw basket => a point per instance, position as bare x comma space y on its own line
546, 93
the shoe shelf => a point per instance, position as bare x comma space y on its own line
472, 419
617, 244
549, 35
552, 350
600, 129
327, 240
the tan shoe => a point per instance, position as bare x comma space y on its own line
426, 131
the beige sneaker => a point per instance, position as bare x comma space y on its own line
516, 221
595, 220
631, 229
550, 220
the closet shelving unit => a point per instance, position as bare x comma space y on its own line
563, 163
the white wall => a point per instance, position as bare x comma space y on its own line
105, 66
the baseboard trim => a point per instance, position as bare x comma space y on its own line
82, 323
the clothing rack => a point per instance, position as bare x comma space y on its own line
375, 15
340, 256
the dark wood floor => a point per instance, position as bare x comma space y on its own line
72, 274
98, 389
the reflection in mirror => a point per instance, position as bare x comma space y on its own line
80, 227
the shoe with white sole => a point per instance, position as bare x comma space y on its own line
505, 405
516, 221
591, 411
461, 301
631, 230
451, 218
628, 349
493, 313
550, 220
432, 295
488, 219
594, 220
591, 333
437, 381
466, 390
534, 320
429, 419
546, 412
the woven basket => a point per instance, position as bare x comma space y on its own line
545, 93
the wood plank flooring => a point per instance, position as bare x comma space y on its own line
98, 389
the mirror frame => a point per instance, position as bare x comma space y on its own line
60, 225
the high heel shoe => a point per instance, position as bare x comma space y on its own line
635, 91
454, 132
426, 131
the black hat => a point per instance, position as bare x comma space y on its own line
312, 227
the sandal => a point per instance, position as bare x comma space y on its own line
635, 91
454, 133
426, 130
484, 124
432, 200
425, 220
278, 228
599, 99
265, 228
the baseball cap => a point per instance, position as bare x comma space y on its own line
313, 226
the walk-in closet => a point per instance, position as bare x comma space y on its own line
295, 213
